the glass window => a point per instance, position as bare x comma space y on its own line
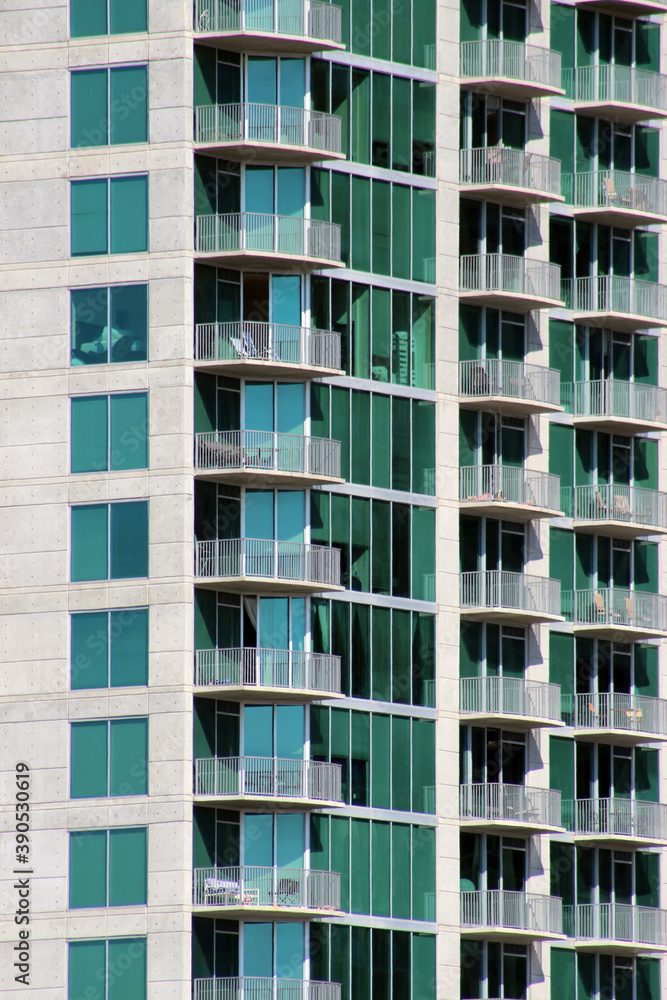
400, 231
109, 649
423, 235
401, 152
109, 432
109, 215
89, 217
129, 214
109, 106
109, 541
109, 757
102, 17
121, 309
108, 867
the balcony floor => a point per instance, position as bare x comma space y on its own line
509, 934
616, 529
507, 510
611, 946
508, 616
509, 827
619, 216
264, 585
622, 322
617, 842
509, 194
280, 914
620, 737
254, 695
618, 425
512, 301
623, 8
618, 111
264, 261
505, 86
264, 478
265, 41
281, 803
508, 405
618, 633
255, 368
509, 721
241, 151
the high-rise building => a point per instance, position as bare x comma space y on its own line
331, 454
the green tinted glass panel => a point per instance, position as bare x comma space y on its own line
423, 447
423, 766
401, 36
401, 152
423, 54
127, 16
423, 235
381, 329
380, 441
340, 426
87, 968
90, 435
88, 760
400, 431
361, 116
129, 431
563, 976
423, 873
128, 954
340, 856
87, 18
381, 861
129, 214
128, 772
340, 210
128, 866
400, 870
129, 647
381, 134
400, 764
89, 654
381, 235
381, 33
89, 307
89, 122
423, 342
90, 544
381, 563
360, 875
423, 966
89, 217
361, 346
88, 868
400, 231
129, 104
381, 762
129, 323
129, 540
423, 554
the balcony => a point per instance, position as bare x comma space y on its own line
266, 893
618, 928
300, 26
510, 176
624, 824
511, 810
266, 566
510, 69
613, 613
267, 675
248, 239
256, 988
509, 701
509, 598
247, 782
616, 407
509, 387
625, 8
514, 494
621, 93
255, 131
625, 719
507, 282
616, 198
266, 458
612, 300
267, 350
619, 511
502, 915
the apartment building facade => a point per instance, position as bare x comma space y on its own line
331, 586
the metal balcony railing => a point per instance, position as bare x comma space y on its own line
523, 911
617, 85
488, 165
270, 342
275, 234
510, 591
625, 504
266, 887
268, 123
617, 189
642, 925
612, 399
617, 608
252, 667
267, 451
627, 713
512, 379
511, 60
479, 483
511, 804
616, 818
256, 988
613, 293
268, 777
497, 272
509, 696
265, 558
300, 18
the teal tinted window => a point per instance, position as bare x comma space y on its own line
110, 541
90, 434
109, 324
129, 431
89, 108
86, 968
109, 215
88, 759
127, 16
128, 630
110, 432
87, 18
109, 648
87, 868
107, 970
129, 214
128, 954
129, 323
89, 650
107, 867
129, 540
89, 218
128, 104
90, 543
128, 862
128, 757
101, 17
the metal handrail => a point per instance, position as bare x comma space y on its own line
269, 777
299, 18
252, 667
513, 591
251, 886
273, 342
509, 696
511, 60
617, 608
618, 189
511, 379
268, 123
614, 293
628, 713
616, 817
267, 558
624, 504
620, 922
505, 483
498, 272
618, 84
494, 802
511, 167
625, 400
267, 451
524, 911
261, 988
277, 234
